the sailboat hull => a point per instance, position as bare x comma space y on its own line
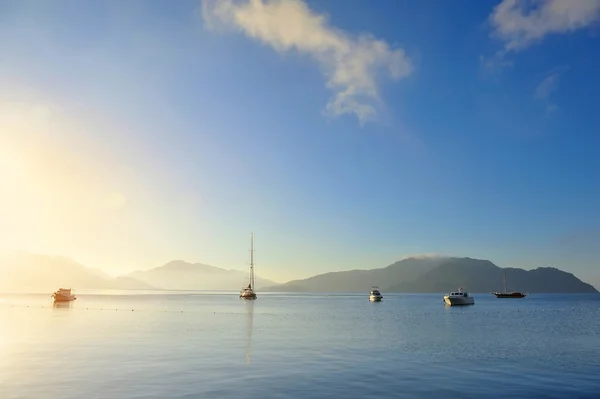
509, 295
248, 294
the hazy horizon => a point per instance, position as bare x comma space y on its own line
345, 136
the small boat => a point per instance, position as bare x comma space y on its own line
507, 294
375, 295
459, 298
63, 295
248, 292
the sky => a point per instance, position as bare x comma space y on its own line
343, 134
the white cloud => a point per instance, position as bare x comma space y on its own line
522, 23
351, 64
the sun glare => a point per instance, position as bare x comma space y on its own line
53, 186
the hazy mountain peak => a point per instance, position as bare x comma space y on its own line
29, 272
182, 275
181, 264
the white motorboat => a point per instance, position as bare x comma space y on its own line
459, 298
248, 292
375, 295
63, 295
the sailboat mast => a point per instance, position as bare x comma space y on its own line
505, 291
252, 260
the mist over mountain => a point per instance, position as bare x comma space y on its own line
181, 275
440, 274
27, 272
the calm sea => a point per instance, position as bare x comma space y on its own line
214, 345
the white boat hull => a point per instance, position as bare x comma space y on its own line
375, 298
457, 301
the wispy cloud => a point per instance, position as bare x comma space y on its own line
520, 24
351, 64
548, 85
494, 63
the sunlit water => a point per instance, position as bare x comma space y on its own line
214, 345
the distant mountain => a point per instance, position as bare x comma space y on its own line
362, 280
180, 275
483, 276
26, 272
99, 273
437, 275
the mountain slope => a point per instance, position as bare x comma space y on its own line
180, 275
483, 276
26, 272
361, 280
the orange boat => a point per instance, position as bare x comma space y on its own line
63, 295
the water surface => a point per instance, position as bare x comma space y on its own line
144, 344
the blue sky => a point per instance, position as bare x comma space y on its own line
344, 134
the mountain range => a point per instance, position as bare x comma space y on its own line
180, 275
440, 274
26, 272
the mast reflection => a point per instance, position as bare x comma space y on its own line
249, 327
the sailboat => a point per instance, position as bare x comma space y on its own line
248, 292
507, 294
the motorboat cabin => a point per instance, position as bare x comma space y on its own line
458, 298
375, 295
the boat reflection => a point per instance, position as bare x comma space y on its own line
62, 304
249, 322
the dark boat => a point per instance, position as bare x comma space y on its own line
509, 294
506, 294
